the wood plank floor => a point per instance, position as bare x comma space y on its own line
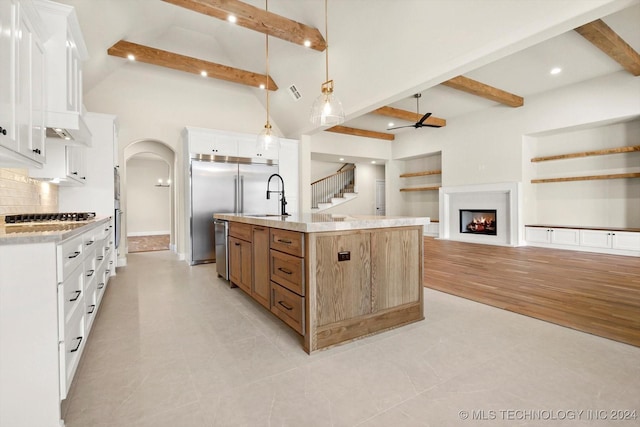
594, 293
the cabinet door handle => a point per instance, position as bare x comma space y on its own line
285, 305
285, 271
74, 255
237, 244
92, 308
259, 228
78, 346
76, 297
90, 242
288, 242
3, 130
74, 173
100, 285
90, 273
100, 258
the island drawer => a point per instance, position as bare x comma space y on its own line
288, 306
287, 270
287, 241
70, 255
240, 230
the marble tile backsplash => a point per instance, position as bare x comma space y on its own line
21, 194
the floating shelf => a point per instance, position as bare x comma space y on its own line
422, 188
423, 173
585, 178
604, 152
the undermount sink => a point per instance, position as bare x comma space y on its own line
266, 215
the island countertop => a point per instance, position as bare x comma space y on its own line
319, 222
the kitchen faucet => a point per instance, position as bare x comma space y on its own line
283, 201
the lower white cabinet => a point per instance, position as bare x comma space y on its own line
585, 239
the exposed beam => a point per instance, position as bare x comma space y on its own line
477, 88
188, 64
608, 41
257, 19
361, 132
409, 116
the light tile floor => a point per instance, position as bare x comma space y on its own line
174, 346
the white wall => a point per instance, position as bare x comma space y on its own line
149, 207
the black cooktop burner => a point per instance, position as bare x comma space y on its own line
48, 217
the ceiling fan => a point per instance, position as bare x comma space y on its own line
420, 123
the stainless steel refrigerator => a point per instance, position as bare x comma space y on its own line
225, 185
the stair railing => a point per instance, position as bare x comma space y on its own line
324, 189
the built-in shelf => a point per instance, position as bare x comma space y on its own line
604, 152
585, 178
421, 188
423, 173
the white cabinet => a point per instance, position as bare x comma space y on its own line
620, 240
65, 165
559, 236
626, 241
248, 147
203, 141
23, 85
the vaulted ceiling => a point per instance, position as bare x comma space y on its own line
380, 53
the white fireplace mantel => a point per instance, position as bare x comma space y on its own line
504, 197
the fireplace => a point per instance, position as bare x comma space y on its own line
478, 221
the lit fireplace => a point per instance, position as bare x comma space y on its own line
478, 221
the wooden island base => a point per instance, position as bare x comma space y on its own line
331, 286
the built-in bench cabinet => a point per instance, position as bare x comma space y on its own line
331, 286
617, 241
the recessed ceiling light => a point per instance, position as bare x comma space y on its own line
390, 124
373, 162
262, 86
341, 159
232, 19
555, 70
203, 73
130, 57
307, 43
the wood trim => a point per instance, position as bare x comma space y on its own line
361, 132
333, 174
423, 173
421, 188
409, 116
257, 19
477, 88
586, 178
606, 151
608, 41
188, 64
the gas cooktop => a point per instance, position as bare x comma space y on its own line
48, 218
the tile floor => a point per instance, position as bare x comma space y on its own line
174, 346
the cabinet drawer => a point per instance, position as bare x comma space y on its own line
287, 241
72, 293
288, 306
287, 270
69, 256
240, 230
70, 350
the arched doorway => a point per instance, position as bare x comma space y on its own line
148, 184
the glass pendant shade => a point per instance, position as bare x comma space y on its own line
327, 109
268, 140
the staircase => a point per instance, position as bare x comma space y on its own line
334, 189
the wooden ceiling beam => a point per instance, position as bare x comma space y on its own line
608, 41
477, 88
409, 116
189, 64
361, 132
257, 19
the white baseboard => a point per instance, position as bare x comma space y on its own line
147, 233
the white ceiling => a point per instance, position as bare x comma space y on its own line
381, 52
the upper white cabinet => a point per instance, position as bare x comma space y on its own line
65, 52
22, 85
65, 165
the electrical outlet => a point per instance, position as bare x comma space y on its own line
344, 256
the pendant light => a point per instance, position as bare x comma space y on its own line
327, 109
267, 139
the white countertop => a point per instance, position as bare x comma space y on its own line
319, 222
27, 233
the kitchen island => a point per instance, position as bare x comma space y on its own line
332, 278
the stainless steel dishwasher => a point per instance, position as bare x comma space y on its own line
221, 231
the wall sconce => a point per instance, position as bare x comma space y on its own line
161, 184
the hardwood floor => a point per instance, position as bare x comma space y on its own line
594, 293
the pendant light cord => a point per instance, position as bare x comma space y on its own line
267, 50
326, 35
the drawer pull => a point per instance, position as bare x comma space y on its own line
285, 305
90, 242
100, 258
100, 285
90, 273
258, 228
237, 244
74, 255
92, 308
107, 271
285, 271
76, 297
78, 346
288, 242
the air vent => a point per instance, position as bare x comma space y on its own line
293, 90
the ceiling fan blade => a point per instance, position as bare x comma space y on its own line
400, 127
425, 117
431, 126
